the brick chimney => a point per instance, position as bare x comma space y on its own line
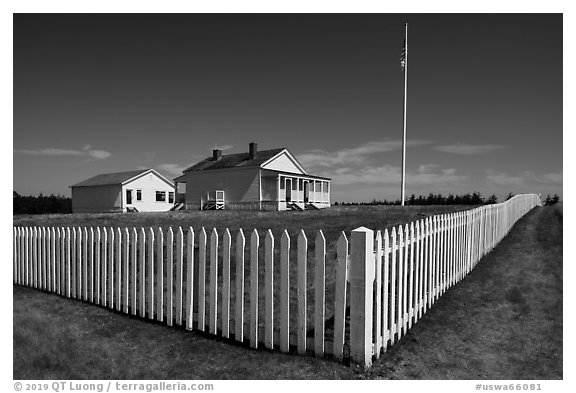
253, 151
216, 154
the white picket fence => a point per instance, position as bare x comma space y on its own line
202, 281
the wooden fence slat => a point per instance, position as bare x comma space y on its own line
411, 308
417, 272
179, 267
239, 307
48, 261
118, 273
190, 287
73, 263
399, 308
41, 258
126, 271
377, 328
133, 271
301, 291
90, 266
225, 309
67, 277
142, 265
254, 245
285, 292
85, 258
159, 275
110, 271
169, 277
319, 293
393, 281
405, 310
150, 273
269, 290
386, 327
202, 280
97, 265
53, 251
213, 283
340, 296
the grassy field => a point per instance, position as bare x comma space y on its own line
331, 221
503, 321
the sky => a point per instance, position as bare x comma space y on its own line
100, 93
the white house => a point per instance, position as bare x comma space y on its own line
143, 190
255, 180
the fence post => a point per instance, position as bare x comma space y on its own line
361, 293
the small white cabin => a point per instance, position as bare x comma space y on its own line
255, 180
143, 190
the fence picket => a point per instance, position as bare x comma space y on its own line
133, 271
159, 275
411, 308
118, 248
285, 292
254, 245
169, 277
319, 293
399, 308
110, 268
377, 329
301, 291
142, 265
190, 287
225, 309
239, 306
393, 280
269, 290
340, 296
68, 263
179, 267
386, 327
150, 273
97, 265
126, 271
202, 280
405, 311
213, 283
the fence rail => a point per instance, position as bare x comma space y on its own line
211, 282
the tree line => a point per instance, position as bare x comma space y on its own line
474, 198
41, 204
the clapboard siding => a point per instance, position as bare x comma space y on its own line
239, 185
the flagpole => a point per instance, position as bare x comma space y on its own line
403, 192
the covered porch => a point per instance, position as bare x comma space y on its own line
295, 191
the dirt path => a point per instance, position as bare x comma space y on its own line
503, 321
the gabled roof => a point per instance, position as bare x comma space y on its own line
107, 179
239, 160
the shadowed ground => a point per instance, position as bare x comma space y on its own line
503, 321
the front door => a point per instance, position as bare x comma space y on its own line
288, 190
128, 197
306, 192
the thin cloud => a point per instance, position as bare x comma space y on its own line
502, 179
356, 155
526, 177
467, 149
56, 152
390, 175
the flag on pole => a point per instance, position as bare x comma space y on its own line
403, 56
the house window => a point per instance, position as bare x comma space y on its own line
160, 196
170, 197
294, 184
128, 197
138, 195
282, 182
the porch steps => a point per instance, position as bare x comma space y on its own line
294, 207
178, 206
